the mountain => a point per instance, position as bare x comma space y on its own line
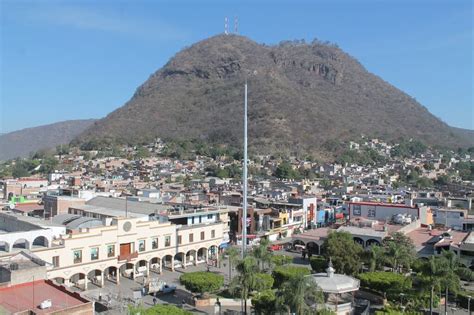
300, 97
20, 143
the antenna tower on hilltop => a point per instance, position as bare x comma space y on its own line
236, 25
226, 26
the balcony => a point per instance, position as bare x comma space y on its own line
128, 257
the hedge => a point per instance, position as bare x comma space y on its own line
285, 273
318, 264
280, 260
202, 281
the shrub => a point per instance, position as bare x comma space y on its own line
263, 281
318, 263
385, 282
280, 260
160, 309
264, 302
282, 274
202, 281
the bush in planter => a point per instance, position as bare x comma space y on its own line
264, 302
202, 281
284, 273
318, 263
263, 282
280, 260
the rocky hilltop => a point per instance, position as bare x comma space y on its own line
300, 96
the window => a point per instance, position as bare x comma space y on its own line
56, 261
110, 250
213, 233
202, 235
356, 210
77, 256
371, 213
141, 245
94, 253
209, 216
167, 241
154, 243
179, 239
191, 238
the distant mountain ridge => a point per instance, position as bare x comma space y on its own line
300, 96
20, 143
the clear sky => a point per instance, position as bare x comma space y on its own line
64, 60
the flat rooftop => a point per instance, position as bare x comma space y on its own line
28, 296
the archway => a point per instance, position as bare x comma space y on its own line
359, 241
191, 257
59, 280
168, 261
110, 273
178, 260
212, 252
95, 277
21, 244
141, 268
127, 271
4, 246
202, 255
312, 248
40, 241
155, 264
78, 280
371, 242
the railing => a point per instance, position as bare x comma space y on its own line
128, 257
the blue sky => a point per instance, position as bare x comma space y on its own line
65, 60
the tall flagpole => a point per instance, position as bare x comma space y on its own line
244, 220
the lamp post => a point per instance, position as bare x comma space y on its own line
469, 305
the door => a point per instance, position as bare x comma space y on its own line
125, 249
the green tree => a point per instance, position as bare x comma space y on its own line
283, 274
263, 281
343, 251
318, 263
159, 309
233, 255
385, 282
375, 258
399, 251
299, 293
262, 254
243, 283
202, 281
285, 170
19, 170
264, 302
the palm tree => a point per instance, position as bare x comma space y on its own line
246, 280
433, 270
299, 294
233, 256
262, 254
376, 256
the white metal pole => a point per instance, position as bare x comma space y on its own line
244, 215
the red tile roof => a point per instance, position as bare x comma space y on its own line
20, 297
